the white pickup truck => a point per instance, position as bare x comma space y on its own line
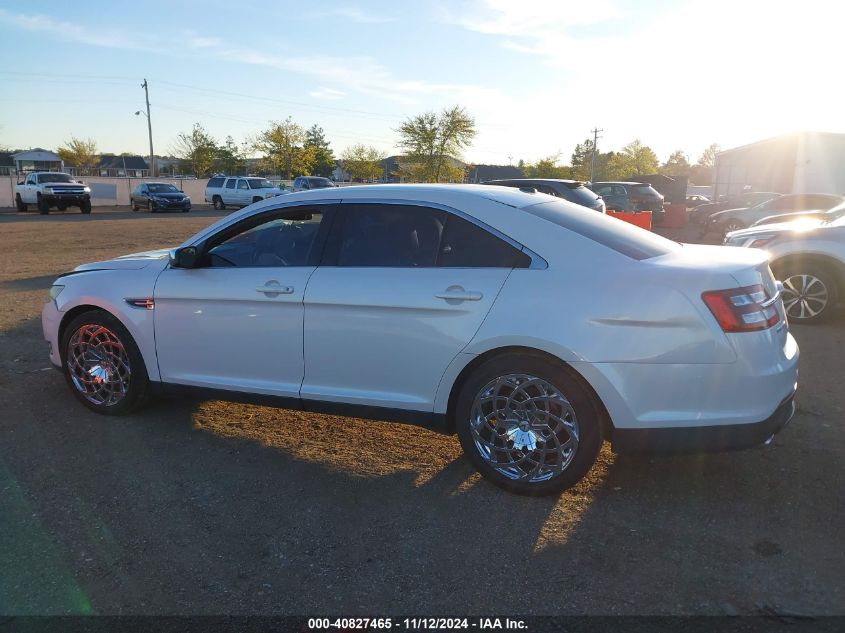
239, 191
47, 189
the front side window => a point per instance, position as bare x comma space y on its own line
242, 184
409, 236
230, 184
282, 239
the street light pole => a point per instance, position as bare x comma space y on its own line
149, 129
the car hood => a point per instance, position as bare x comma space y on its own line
170, 195
134, 261
726, 212
776, 228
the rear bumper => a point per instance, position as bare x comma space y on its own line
728, 437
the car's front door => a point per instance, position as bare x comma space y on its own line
235, 322
402, 290
30, 189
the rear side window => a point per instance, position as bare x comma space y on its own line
410, 236
466, 245
620, 236
215, 182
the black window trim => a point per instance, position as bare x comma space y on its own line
331, 247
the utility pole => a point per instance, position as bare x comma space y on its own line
149, 129
595, 132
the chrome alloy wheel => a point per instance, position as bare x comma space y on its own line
804, 296
98, 365
524, 428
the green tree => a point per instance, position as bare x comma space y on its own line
581, 160
198, 148
80, 153
363, 162
431, 140
323, 156
283, 147
229, 158
546, 168
640, 159
703, 171
676, 166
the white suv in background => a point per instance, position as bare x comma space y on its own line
239, 191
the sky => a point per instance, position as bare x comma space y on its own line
537, 75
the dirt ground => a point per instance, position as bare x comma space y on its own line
212, 508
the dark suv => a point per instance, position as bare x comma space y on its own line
571, 190
631, 196
303, 183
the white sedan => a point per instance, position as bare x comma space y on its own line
532, 327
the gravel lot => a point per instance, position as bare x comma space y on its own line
201, 508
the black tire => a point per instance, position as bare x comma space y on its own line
810, 291
134, 205
138, 386
217, 201
186, 209
588, 413
85, 207
20, 204
150, 207
256, 199
43, 207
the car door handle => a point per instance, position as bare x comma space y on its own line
455, 294
274, 288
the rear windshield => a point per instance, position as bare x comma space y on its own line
618, 235
320, 183
644, 190
580, 195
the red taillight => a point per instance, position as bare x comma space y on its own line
745, 309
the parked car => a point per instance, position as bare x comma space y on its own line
700, 213
809, 258
736, 219
239, 191
48, 189
631, 196
571, 190
696, 200
304, 183
451, 306
804, 216
159, 196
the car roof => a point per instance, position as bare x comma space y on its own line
619, 182
157, 182
526, 180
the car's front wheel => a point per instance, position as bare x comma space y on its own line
43, 207
809, 292
102, 364
528, 424
21, 205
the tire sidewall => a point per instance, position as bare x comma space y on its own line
139, 382
587, 411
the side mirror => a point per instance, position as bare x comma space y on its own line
187, 257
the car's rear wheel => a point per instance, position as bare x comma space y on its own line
809, 292
102, 364
218, 203
20, 204
528, 424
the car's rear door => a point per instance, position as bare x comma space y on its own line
235, 322
229, 193
402, 289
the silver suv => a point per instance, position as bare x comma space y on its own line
808, 256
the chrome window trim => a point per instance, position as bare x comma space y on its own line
537, 262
